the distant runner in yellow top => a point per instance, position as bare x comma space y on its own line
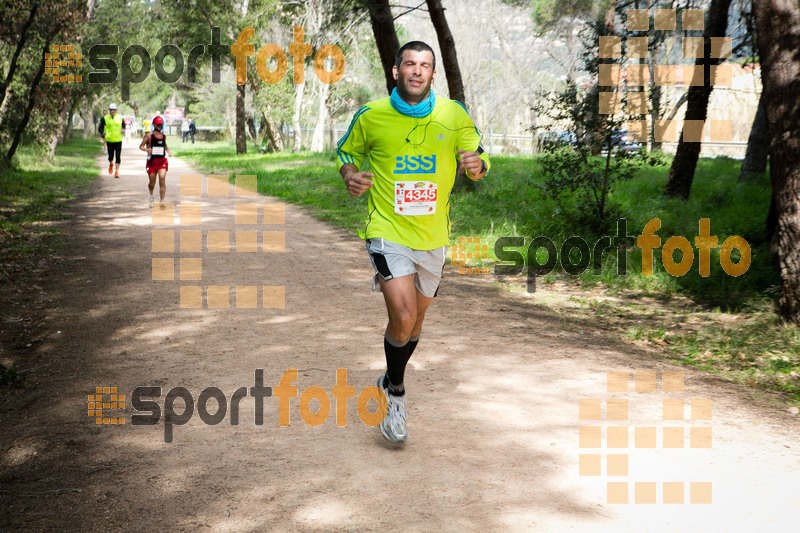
111, 130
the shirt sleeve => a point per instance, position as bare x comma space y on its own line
101, 128
469, 138
353, 147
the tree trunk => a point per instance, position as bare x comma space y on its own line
590, 118
87, 116
380, 15
299, 89
778, 42
55, 134
755, 160
331, 130
681, 173
255, 87
31, 101
275, 143
682, 100
655, 94
455, 86
241, 138
5, 88
569, 40
5, 105
772, 227
284, 133
318, 139
65, 133
448, 48
251, 128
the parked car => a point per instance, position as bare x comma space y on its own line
550, 140
621, 142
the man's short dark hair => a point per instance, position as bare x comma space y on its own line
417, 46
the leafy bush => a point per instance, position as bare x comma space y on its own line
589, 181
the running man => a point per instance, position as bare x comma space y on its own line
415, 141
184, 129
155, 144
111, 130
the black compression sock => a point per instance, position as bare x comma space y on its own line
412, 345
397, 354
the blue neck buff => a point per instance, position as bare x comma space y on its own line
422, 109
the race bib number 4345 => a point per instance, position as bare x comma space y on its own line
414, 198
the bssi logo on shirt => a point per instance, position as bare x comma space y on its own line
415, 164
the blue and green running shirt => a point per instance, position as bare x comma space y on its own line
414, 162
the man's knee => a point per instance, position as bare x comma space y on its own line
404, 319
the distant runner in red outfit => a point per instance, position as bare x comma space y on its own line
155, 144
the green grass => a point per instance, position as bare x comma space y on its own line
33, 196
509, 202
757, 350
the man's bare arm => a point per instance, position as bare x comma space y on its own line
473, 164
355, 181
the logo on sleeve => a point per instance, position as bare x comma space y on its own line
415, 164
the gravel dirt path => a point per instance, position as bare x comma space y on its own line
493, 389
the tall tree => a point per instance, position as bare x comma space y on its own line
62, 19
5, 83
657, 42
380, 16
190, 22
447, 46
778, 38
32, 94
241, 139
63, 99
681, 173
72, 96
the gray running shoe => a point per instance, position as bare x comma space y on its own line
393, 427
